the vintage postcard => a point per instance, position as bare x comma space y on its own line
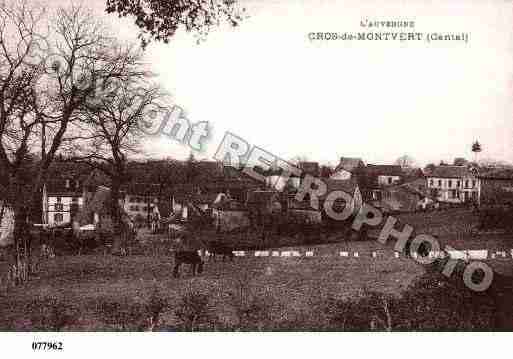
178, 166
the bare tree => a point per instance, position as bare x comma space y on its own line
40, 100
112, 131
405, 161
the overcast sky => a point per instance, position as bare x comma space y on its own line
268, 83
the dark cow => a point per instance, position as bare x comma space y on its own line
189, 257
215, 248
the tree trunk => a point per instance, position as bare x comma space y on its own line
20, 270
118, 245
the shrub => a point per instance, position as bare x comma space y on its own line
432, 303
154, 308
372, 311
252, 310
123, 315
51, 314
193, 311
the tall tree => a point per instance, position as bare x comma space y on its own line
405, 161
113, 129
191, 169
160, 19
41, 97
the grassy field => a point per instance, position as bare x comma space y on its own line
289, 286
454, 227
282, 290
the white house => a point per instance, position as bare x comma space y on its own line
385, 175
62, 199
453, 184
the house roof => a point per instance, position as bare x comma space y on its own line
67, 169
384, 170
500, 174
63, 187
349, 164
311, 168
450, 172
411, 175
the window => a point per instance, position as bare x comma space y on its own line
134, 208
450, 183
473, 183
439, 183
431, 182
59, 207
466, 183
59, 199
458, 183
58, 218
389, 180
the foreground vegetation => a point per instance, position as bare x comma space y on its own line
324, 292
98, 291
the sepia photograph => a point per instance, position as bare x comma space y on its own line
241, 166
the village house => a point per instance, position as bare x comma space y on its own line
61, 201
229, 214
453, 184
139, 199
385, 175
347, 168
374, 179
275, 179
401, 198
